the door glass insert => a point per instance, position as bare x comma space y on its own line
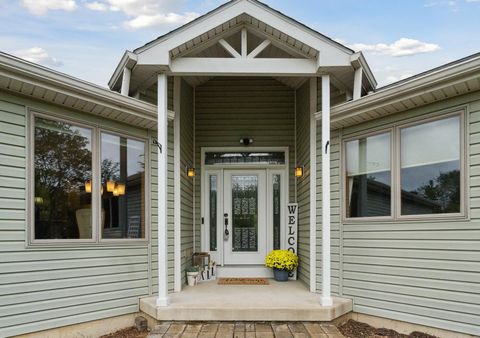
245, 213
276, 212
213, 212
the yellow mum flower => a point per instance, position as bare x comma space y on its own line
282, 260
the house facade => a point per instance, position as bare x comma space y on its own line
205, 138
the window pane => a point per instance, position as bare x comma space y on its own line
123, 187
276, 212
213, 213
430, 167
368, 176
63, 173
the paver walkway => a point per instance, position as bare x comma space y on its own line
245, 330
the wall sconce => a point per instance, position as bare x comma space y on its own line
190, 171
88, 187
110, 186
38, 200
299, 170
115, 192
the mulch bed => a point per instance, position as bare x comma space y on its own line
354, 329
130, 332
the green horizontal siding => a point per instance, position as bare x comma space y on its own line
47, 287
422, 272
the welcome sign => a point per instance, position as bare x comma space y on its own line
291, 237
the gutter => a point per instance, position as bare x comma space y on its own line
22, 70
461, 70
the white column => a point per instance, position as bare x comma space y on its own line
162, 125
313, 185
357, 83
176, 183
326, 299
127, 73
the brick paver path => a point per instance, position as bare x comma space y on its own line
245, 330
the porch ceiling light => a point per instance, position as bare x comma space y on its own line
190, 171
299, 171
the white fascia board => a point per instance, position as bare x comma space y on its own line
417, 85
128, 60
49, 79
358, 61
331, 54
233, 66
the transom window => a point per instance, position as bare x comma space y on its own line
427, 157
78, 199
242, 157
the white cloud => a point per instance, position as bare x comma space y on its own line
401, 47
38, 55
96, 6
41, 7
146, 13
144, 21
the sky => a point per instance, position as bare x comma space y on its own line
86, 38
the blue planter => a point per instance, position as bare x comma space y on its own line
280, 275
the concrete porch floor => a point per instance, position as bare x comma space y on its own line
287, 301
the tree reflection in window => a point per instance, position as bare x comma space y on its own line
430, 167
63, 173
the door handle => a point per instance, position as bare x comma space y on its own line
225, 222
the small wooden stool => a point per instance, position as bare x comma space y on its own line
201, 259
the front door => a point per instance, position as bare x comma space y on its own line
244, 216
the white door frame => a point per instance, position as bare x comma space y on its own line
218, 169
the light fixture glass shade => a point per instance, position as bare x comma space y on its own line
110, 186
299, 171
190, 172
115, 192
88, 187
121, 189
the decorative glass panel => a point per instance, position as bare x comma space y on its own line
213, 213
245, 213
368, 176
276, 212
430, 167
245, 157
63, 176
123, 187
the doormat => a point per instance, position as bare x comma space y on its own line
243, 281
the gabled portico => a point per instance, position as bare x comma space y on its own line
294, 72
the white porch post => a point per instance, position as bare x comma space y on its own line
313, 185
127, 73
162, 126
326, 299
357, 83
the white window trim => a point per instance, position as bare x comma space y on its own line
395, 129
96, 239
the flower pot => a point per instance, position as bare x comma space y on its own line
192, 278
280, 275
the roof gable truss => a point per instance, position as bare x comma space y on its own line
244, 36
